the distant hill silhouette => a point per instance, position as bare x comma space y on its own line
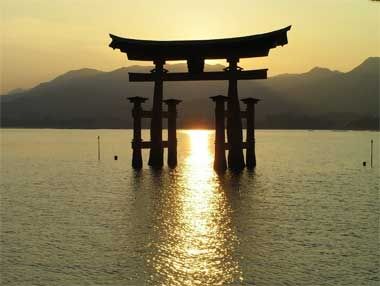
88, 98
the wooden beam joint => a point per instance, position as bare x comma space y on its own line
146, 144
227, 147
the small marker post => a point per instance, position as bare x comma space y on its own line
371, 152
98, 148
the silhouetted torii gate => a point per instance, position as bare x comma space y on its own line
195, 53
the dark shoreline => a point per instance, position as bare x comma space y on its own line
274, 129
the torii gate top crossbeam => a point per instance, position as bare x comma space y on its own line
241, 47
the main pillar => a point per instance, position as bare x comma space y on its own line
156, 149
172, 131
250, 113
136, 142
220, 163
234, 125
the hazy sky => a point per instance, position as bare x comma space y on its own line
41, 39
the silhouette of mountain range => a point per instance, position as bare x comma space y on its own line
88, 98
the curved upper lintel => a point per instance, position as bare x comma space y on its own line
240, 47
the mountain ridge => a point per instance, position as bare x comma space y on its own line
182, 67
96, 99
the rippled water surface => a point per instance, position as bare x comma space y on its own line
308, 214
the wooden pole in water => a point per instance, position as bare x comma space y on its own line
234, 124
172, 131
371, 152
250, 155
136, 142
98, 148
220, 164
156, 153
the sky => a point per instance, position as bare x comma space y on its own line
41, 39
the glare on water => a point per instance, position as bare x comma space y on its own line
199, 236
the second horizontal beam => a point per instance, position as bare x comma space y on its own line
184, 76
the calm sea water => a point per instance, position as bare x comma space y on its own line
308, 214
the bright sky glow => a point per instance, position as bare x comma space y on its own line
41, 39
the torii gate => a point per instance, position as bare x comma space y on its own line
195, 53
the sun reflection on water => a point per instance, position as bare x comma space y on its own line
196, 239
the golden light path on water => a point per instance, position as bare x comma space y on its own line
196, 239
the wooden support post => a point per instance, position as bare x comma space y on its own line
250, 155
136, 142
156, 151
234, 125
220, 163
172, 131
